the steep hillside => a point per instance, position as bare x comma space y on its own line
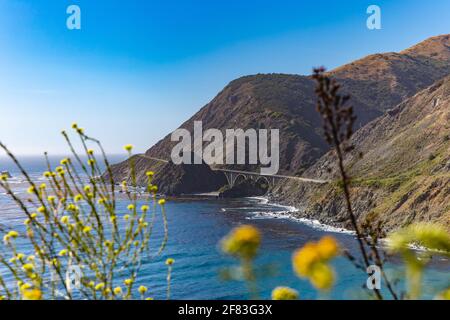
404, 174
276, 101
287, 102
381, 81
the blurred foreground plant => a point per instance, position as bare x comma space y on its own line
338, 119
243, 243
406, 241
75, 242
311, 262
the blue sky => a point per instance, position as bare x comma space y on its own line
137, 69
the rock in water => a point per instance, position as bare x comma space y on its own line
245, 188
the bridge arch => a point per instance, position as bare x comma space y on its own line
265, 179
241, 176
234, 177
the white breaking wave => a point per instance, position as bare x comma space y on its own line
289, 213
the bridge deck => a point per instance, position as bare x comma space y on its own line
318, 181
279, 176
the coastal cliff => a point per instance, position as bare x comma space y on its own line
402, 176
401, 104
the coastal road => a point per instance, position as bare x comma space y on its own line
278, 176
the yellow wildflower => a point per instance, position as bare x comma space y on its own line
87, 229
34, 294
72, 207
65, 219
162, 202
28, 267
149, 173
445, 295
30, 190
130, 207
100, 286
63, 252
304, 258
284, 293
311, 262
13, 234
90, 151
128, 147
145, 208
429, 235
142, 289
25, 286
117, 290
322, 276
78, 197
128, 282
327, 247
170, 261
242, 242
126, 217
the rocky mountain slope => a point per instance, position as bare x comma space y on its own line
404, 174
381, 81
287, 102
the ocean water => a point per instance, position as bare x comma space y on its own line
195, 229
